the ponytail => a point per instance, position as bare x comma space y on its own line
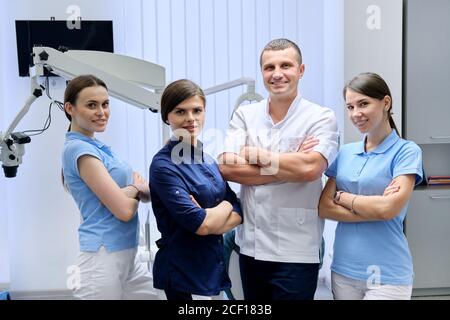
372, 85
392, 123
68, 130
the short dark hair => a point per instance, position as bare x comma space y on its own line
176, 92
77, 84
372, 85
281, 44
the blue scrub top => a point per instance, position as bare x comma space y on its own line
188, 262
99, 226
364, 250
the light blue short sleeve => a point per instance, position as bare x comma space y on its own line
332, 169
408, 161
73, 151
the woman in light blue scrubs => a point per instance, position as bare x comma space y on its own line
107, 192
368, 190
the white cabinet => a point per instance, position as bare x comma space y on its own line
428, 232
427, 122
427, 87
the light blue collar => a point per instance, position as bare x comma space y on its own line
79, 136
388, 142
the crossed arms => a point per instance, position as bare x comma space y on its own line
257, 166
121, 202
366, 208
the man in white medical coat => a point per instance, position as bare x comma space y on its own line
277, 149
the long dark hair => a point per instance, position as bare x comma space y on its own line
372, 85
73, 89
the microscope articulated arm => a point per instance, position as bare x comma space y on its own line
131, 80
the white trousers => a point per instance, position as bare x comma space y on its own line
113, 276
345, 288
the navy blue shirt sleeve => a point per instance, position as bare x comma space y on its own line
231, 197
175, 197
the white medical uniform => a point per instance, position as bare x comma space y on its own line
281, 221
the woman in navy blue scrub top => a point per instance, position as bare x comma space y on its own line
368, 190
192, 203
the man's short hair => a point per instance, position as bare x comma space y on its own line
281, 44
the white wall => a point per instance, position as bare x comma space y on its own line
372, 49
4, 247
333, 82
207, 41
219, 41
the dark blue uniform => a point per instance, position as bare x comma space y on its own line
185, 261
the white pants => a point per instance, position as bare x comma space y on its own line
113, 276
345, 288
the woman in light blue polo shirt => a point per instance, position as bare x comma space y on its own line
368, 191
107, 193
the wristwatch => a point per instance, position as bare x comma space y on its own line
138, 192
